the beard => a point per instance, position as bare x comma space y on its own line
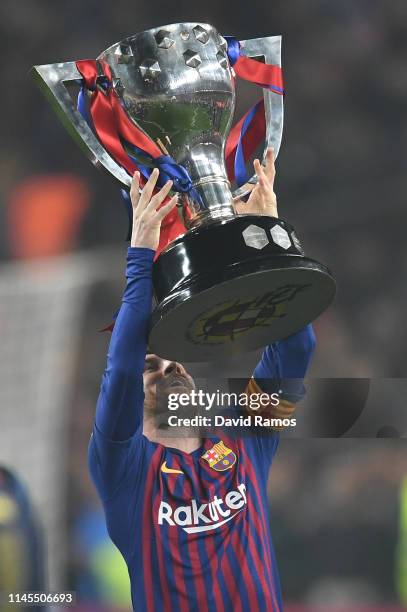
158, 407
176, 383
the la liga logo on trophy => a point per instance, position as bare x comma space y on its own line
165, 98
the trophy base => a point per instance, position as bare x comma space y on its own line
233, 286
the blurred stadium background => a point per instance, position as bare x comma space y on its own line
338, 506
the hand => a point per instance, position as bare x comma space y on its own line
147, 216
262, 200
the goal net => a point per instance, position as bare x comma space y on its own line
42, 308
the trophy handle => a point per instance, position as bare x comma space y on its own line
268, 48
52, 79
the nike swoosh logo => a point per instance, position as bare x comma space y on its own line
168, 470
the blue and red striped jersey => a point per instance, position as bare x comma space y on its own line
192, 527
195, 536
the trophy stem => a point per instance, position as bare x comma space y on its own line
211, 197
210, 200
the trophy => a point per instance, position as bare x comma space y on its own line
223, 282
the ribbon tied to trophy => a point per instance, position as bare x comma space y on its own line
121, 137
223, 282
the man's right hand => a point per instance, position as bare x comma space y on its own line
147, 216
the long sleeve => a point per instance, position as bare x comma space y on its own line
119, 410
284, 364
281, 370
117, 441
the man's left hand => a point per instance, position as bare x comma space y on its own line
262, 200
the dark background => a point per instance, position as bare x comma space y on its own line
340, 181
341, 169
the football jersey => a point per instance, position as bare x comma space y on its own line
192, 527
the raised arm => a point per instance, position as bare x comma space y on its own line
283, 364
281, 371
119, 410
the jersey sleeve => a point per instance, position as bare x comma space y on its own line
281, 371
117, 441
283, 365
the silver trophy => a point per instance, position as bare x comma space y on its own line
230, 282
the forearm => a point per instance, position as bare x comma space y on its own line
284, 364
119, 410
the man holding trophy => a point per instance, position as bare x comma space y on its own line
191, 519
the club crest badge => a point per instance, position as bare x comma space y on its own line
220, 457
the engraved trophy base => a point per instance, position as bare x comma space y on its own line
233, 286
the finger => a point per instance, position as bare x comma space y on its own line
264, 190
270, 166
267, 200
159, 197
253, 195
255, 191
239, 206
148, 189
164, 210
262, 178
135, 189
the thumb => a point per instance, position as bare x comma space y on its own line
166, 208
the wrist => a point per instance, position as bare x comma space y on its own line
139, 262
143, 244
140, 251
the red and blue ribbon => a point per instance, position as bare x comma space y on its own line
250, 131
269, 76
123, 140
108, 119
243, 140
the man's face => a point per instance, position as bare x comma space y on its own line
162, 377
